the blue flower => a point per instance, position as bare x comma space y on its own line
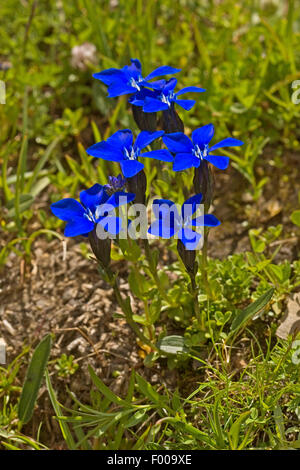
120, 148
190, 153
169, 222
162, 97
129, 79
95, 207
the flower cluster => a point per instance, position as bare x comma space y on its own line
98, 204
151, 96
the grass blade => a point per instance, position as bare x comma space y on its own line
63, 425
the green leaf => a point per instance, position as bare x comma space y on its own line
279, 421
148, 391
33, 379
234, 432
105, 390
63, 425
131, 251
295, 218
173, 344
136, 418
154, 310
25, 201
251, 310
140, 319
282, 272
139, 285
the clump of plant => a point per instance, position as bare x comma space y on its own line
189, 291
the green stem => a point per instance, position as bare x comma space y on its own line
153, 272
195, 300
126, 308
149, 326
204, 264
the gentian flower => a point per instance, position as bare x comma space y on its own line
95, 207
190, 153
169, 222
162, 98
120, 148
129, 79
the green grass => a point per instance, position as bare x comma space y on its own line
247, 56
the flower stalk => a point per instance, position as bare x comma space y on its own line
126, 308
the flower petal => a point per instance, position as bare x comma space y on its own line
156, 85
203, 135
162, 155
145, 138
159, 229
178, 142
206, 220
121, 139
120, 88
153, 105
190, 89
138, 99
93, 196
105, 151
185, 104
163, 70
135, 65
182, 161
131, 167
189, 238
170, 85
67, 209
78, 226
166, 210
111, 224
229, 142
218, 161
109, 76
190, 206
120, 198
162, 209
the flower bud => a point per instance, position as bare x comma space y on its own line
204, 182
171, 122
188, 257
138, 184
145, 121
100, 247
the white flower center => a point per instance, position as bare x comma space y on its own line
200, 153
167, 98
89, 215
132, 155
134, 83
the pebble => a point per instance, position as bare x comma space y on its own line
8, 327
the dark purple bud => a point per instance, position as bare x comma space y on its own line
188, 257
101, 248
171, 122
204, 182
138, 184
145, 121
115, 183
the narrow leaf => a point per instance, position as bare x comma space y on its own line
251, 310
33, 379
